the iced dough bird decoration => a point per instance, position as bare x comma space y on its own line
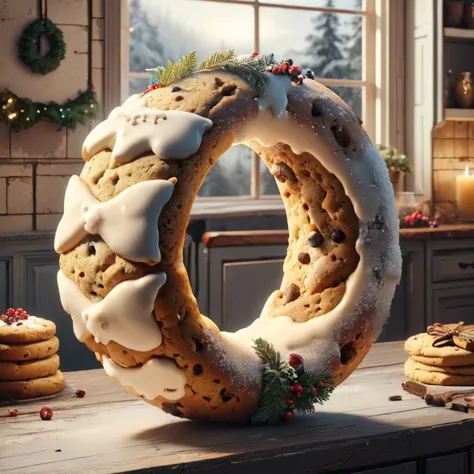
122, 277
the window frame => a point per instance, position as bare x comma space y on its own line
381, 83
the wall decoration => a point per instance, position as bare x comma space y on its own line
22, 113
29, 46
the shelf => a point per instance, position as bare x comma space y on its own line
459, 114
459, 33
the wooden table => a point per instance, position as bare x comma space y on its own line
358, 430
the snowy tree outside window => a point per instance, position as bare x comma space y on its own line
325, 36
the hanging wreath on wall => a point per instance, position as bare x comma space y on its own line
30, 51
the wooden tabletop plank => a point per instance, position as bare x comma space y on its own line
110, 431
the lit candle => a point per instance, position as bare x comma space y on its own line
465, 195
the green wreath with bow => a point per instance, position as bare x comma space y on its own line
29, 46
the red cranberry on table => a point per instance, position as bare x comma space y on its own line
46, 412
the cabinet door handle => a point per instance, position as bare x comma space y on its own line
464, 265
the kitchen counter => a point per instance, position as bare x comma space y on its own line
458, 231
110, 431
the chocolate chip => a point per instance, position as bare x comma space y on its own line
228, 90
359, 120
178, 98
292, 292
198, 344
316, 109
304, 258
226, 396
283, 173
176, 89
208, 399
348, 352
315, 239
342, 135
172, 409
216, 381
338, 236
395, 398
218, 82
197, 369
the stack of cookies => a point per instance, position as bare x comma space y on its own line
29, 364
443, 364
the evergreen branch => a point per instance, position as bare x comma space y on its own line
174, 72
274, 396
217, 59
248, 72
267, 353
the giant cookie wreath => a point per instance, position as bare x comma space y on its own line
122, 277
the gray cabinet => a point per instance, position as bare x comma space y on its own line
452, 464
235, 281
407, 315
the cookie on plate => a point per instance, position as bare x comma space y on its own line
31, 369
414, 372
29, 351
22, 390
420, 348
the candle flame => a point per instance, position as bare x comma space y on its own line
466, 171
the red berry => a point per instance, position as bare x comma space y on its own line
293, 70
46, 412
288, 415
80, 393
314, 391
295, 360
322, 384
13, 412
254, 54
293, 388
10, 312
285, 67
425, 218
152, 87
20, 310
290, 403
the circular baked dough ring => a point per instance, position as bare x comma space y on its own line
130, 298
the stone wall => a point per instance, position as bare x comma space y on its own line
35, 164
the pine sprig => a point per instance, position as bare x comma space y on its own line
217, 59
267, 353
287, 387
274, 397
174, 72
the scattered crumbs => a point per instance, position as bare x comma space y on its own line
57, 451
395, 398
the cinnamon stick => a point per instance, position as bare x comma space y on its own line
414, 388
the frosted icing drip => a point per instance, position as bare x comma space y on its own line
275, 94
125, 315
74, 302
133, 129
127, 223
157, 377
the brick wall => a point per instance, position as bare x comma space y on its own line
453, 150
35, 164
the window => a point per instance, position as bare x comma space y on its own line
336, 39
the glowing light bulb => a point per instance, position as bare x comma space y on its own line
10, 100
132, 30
12, 116
92, 106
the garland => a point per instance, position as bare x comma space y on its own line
287, 387
21, 113
252, 68
29, 50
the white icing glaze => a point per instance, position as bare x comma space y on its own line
33, 322
364, 178
125, 315
128, 223
134, 129
74, 302
157, 377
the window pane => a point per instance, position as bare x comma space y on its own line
342, 4
352, 96
137, 85
169, 29
230, 175
329, 44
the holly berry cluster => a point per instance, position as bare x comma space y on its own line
417, 219
13, 316
287, 387
295, 72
